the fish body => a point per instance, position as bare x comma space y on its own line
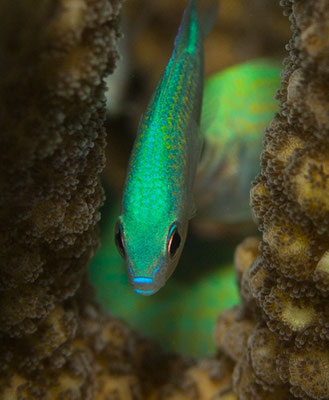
238, 104
157, 201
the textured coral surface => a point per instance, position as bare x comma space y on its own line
278, 339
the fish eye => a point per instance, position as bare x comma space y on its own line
118, 237
173, 241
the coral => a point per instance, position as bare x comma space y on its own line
52, 104
232, 333
208, 379
245, 254
280, 340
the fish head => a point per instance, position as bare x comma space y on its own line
151, 250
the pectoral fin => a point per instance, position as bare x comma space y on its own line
192, 211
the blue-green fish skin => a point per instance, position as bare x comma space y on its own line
157, 201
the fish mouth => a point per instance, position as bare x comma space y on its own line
144, 285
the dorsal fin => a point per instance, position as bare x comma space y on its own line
194, 27
188, 29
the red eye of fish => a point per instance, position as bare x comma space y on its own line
119, 241
174, 241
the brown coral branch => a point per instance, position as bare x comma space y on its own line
286, 288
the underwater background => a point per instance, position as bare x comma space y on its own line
58, 135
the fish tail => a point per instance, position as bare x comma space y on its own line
183, 35
194, 26
208, 17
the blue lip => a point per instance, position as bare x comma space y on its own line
142, 280
144, 292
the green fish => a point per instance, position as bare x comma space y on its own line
158, 201
238, 104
